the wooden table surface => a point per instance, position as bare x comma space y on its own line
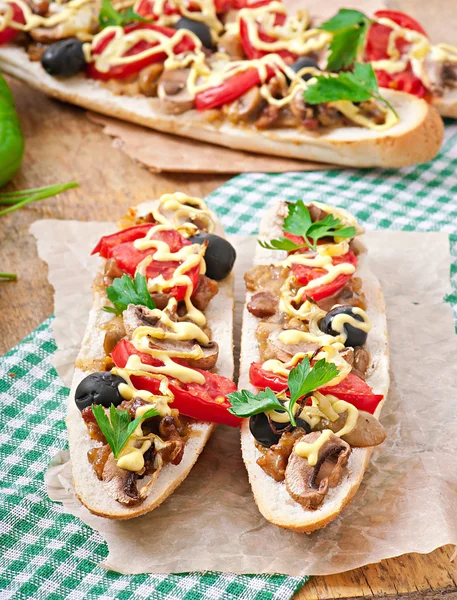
61, 146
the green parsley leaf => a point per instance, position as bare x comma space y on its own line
125, 291
246, 404
349, 28
298, 222
109, 16
303, 379
119, 427
356, 86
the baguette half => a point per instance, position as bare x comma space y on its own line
272, 498
87, 486
415, 139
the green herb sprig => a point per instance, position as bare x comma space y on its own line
125, 290
119, 427
302, 380
109, 16
298, 222
356, 86
349, 28
19, 198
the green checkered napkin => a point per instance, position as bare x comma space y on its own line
46, 553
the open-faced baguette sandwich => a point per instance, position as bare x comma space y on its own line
242, 79
156, 361
314, 365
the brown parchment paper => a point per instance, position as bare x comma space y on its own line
408, 499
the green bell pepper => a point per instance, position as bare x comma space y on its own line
11, 138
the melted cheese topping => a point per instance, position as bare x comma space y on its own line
62, 13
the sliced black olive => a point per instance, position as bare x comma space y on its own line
303, 424
355, 336
301, 63
64, 58
220, 255
260, 428
200, 29
99, 388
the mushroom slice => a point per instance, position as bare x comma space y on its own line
308, 485
367, 432
122, 485
245, 108
284, 352
172, 90
137, 316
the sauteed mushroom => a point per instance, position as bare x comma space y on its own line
308, 485
173, 93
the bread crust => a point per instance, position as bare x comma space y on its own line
87, 486
447, 104
272, 498
417, 138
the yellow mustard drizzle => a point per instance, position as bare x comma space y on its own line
294, 35
32, 21
205, 14
183, 207
353, 112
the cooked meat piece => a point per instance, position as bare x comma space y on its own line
138, 316
361, 361
300, 109
316, 213
114, 333
206, 290
351, 294
311, 124
230, 43
173, 451
297, 324
268, 116
308, 485
132, 405
111, 272
160, 299
274, 460
35, 51
328, 116
370, 109
39, 8
450, 75
98, 457
95, 432
265, 277
148, 79
172, 90
246, 108
263, 304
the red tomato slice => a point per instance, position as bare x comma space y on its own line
252, 52
122, 71
306, 274
352, 389
204, 402
405, 81
120, 247
230, 89
239, 4
108, 242
9, 33
402, 19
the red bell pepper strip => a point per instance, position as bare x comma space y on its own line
252, 52
123, 71
9, 33
352, 389
230, 89
239, 4
306, 274
204, 402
